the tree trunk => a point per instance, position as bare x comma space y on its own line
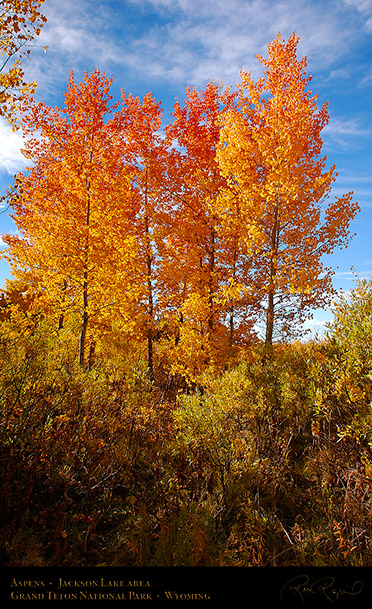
150, 357
85, 316
212, 264
150, 329
270, 319
270, 314
232, 309
62, 317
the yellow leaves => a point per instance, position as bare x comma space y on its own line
228, 293
79, 234
20, 23
367, 466
193, 351
269, 155
194, 236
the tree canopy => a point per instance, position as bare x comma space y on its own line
187, 235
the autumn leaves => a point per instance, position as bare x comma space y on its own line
180, 238
269, 152
20, 22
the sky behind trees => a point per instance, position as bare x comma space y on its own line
164, 45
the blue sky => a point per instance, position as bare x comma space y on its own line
164, 45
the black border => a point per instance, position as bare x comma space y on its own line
207, 586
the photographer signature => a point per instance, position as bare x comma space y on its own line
301, 586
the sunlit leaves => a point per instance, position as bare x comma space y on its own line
146, 154
75, 246
202, 249
189, 235
269, 154
20, 22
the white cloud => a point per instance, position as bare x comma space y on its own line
363, 6
11, 158
345, 275
78, 37
346, 127
186, 41
341, 133
231, 33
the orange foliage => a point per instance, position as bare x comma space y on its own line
270, 155
191, 235
201, 253
146, 154
75, 246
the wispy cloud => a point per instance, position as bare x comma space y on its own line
351, 127
233, 32
364, 8
189, 41
352, 275
343, 132
345, 275
78, 36
11, 158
